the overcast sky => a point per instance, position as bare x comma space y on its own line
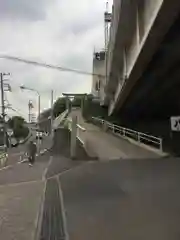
60, 32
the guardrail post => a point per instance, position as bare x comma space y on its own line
73, 136
105, 126
139, 137
124, 132
102, 123
161, 148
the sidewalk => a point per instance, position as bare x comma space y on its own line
106, 146
19, 206
21, 191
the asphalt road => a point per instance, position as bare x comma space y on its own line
21, 191
123, 199
116, 199
14, 154
23, 173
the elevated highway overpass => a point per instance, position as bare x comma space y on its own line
143, 60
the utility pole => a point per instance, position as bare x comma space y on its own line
3, 106
30, 106
107, 22
39, 109
52, 100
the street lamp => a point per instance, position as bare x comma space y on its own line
34, 90
39, 107
3, 85
39, 99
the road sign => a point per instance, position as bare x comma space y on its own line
175, 124
107, 17
9, 132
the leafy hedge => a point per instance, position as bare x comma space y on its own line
17, 123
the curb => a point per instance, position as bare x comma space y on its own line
142, 145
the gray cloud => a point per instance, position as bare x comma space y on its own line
65, 36
24, 9
79, 26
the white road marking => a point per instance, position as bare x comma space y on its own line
23, 160
20, 161
20, 183
4, 168
46, 169
69, 170
63, 210
39, 217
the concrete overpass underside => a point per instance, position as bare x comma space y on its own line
156, 94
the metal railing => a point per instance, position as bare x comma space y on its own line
129, 133
60, 119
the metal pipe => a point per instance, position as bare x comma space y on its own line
52, 100
3, 111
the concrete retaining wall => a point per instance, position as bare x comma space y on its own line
61, 145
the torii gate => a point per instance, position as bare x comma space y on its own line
70, 95
74, 121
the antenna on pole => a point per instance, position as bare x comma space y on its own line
107, 6
107, 22
106, 26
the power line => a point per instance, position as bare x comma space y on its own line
16, 111
9, 106
46, 65
13, 109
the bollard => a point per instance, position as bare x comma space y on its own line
105, 127
73, 137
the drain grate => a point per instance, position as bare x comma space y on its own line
52, 227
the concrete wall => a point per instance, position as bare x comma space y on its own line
61, 145
143, 14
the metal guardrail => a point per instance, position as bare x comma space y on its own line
126, 132
60, 119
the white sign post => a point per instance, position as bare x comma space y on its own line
175, 124
9, 132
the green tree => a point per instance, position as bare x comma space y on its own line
76, 102
59, 106
19, 129
45, 114
20, 132
16, 120
92, 108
